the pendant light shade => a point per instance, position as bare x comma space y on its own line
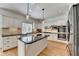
43, 15
43, 20
27, 16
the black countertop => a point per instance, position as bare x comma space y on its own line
29, 39
7, 35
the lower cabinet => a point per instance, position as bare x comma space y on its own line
9, 42
51, 36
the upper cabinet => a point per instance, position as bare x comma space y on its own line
0, 21
11, 22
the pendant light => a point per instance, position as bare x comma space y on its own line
43, 15
43, 20
27, 16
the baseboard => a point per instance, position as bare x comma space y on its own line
60, 41
37, 54
9, 49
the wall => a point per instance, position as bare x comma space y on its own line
12, 19
38, 24
60, 20
11, 14
15, 22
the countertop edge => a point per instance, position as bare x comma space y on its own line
35, 40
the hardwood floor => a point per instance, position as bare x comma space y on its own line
11, 52
53, 49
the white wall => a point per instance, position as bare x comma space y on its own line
13, 22
60, 20
12, 19
11, 14
38, 25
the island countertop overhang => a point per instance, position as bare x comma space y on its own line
34, 39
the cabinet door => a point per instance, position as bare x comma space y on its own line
6, 46
13, 41
50, 37
7, 21
9, 42
54, 36
6, 43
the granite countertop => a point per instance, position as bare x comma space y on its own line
29, 39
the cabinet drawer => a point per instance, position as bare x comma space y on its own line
9, 42
4, 38
7, 46
6, 41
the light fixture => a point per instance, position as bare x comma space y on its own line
43, 15
43, 20
27, 16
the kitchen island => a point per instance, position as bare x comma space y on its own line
30, 45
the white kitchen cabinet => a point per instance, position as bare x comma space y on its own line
7, 21
32, 49
54, 36
9, 42
51, 36
11, 22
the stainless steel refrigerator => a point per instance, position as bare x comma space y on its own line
74, 28
70, 30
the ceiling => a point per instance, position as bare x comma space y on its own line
51, 9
